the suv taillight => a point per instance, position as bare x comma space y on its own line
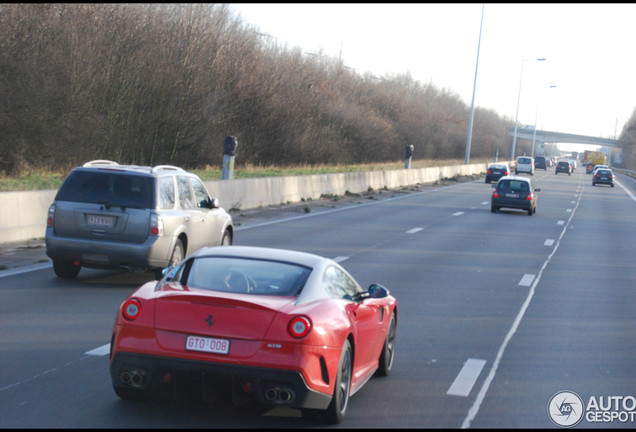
51, 216
156, 225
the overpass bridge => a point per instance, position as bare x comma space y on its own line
528, 133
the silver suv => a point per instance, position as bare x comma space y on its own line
107, 215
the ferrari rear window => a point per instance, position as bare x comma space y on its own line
245, 275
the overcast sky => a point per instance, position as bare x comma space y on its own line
590, 52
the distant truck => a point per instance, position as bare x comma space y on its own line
593, 159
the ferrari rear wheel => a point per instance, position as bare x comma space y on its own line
388, 351
337, 409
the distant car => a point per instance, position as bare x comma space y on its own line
541, 162
597, 167
572, 164
563, 167
106, 215
524, 164
603, 176
279, 327
496, 171
514, 192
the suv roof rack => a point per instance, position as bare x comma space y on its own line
98, 162
166, 167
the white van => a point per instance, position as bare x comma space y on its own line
525, 164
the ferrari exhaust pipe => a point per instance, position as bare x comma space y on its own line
271, 394
285, 395
278, 394
132, 378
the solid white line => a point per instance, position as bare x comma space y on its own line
467, 377
100, 351
25, 269
631, 195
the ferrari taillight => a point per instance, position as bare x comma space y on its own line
299, 326
131, 309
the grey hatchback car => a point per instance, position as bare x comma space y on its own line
515, 192
106, 215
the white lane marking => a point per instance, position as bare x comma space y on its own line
560, 222
340, 258
568, 210
414, 230
631, 195
99, 351
526, 280
25, 269
467, 377
548, 242
458, 213
485, 203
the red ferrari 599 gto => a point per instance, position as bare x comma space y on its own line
277, 326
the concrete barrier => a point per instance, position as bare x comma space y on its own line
23, 214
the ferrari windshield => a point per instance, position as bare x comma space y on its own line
244, 275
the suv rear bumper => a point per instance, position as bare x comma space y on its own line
108, 254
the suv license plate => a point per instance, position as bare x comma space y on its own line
210, 345
98, 220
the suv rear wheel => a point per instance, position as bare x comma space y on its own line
66, 269
178, 253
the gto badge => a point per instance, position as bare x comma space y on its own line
210, 320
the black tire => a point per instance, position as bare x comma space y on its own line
337, 409
178, 253
494, 209
226, 240
388, 350
593, 184
66, 269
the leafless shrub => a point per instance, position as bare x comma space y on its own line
165, 83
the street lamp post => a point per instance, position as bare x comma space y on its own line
514, 138
472, 104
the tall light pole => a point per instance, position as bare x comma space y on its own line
472, 104
514, 138
536, 114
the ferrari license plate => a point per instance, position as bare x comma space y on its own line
210, 345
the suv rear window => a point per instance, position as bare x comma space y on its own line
108, 188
